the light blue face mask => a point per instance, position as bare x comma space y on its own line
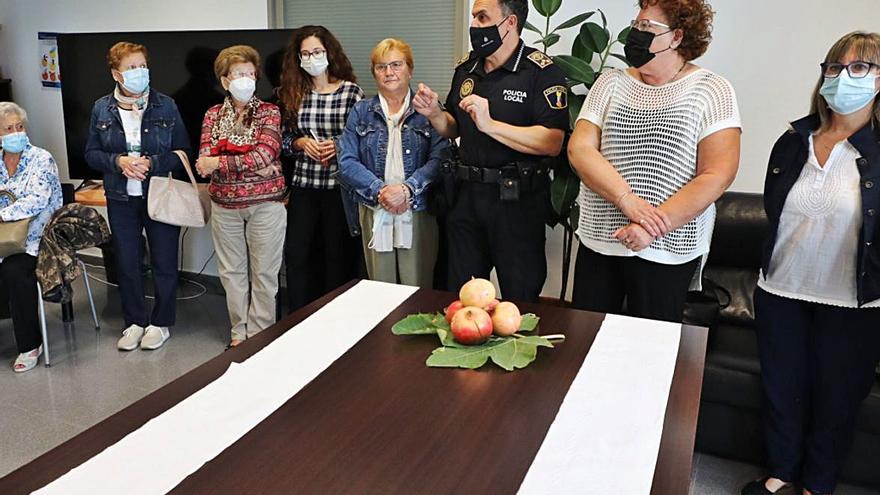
15, 142
136, 80
846, 95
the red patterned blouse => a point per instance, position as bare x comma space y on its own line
247, 175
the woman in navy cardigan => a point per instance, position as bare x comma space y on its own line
816, 305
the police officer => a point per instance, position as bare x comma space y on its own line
509, 105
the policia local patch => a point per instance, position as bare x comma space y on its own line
557, 97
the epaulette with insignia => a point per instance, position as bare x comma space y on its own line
540, 59
463, 59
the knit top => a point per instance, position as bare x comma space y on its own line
650, 135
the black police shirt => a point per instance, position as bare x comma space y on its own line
527, 90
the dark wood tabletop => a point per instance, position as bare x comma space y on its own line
379, 421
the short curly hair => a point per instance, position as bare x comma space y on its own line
693, 17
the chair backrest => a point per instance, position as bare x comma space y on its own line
68, 193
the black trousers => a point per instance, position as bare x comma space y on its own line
484, 232
19, 287
650, 290
319, 251
128, 221
817, 366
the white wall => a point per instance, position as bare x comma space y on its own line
20, 20
769, 50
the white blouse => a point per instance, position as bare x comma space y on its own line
814, 258
650, 135
131, 124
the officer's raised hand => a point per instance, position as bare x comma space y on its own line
478, 108
426, 101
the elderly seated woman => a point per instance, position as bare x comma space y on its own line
30, 174
389, 157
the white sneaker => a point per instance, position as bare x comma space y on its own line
155, 337
26, 361
131, 337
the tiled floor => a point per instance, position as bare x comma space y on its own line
90, 380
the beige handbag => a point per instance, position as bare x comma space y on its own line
13, 235
177, 202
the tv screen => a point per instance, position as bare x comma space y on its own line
181, 66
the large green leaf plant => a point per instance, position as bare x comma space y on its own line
592, 49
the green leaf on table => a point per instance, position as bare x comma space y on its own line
509, 353
420, 324
595, 37
574, 21
529, 322
447, 339
575, 68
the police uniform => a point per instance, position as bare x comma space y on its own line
482, 229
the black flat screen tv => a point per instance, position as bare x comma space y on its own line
181, 66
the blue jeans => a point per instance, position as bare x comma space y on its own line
128, 219
817, 366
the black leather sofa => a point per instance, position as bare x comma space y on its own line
730, 410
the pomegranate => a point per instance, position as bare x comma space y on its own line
506, 319
471, 325
452, 309
477, 292
492, 305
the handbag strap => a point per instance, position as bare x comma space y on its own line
186, 166
12, 198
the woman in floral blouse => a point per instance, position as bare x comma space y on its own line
239, 149
31, 175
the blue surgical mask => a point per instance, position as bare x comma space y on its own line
136, 80
846, 95
15, 142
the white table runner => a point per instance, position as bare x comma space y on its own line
606, 435
159, 455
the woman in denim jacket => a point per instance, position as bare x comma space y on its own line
133, 134
389, 157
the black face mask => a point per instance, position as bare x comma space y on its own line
487, 40
638, 47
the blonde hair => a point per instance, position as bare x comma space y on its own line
123, 49
389, 44
236, 54
9, 108
865, 47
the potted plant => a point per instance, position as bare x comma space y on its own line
589, 56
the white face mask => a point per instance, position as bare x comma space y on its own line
315, 65
242, 89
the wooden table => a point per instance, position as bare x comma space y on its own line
379, 421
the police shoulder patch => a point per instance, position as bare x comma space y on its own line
557, 97
463, 59
540, 59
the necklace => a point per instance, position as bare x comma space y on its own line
677, 73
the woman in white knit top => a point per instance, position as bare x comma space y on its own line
655, 145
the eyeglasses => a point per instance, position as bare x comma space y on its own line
238, 73
395, 67
317, 52
857, 69
647, 24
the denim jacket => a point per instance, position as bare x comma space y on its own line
786, 163
162, 132
363, 147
